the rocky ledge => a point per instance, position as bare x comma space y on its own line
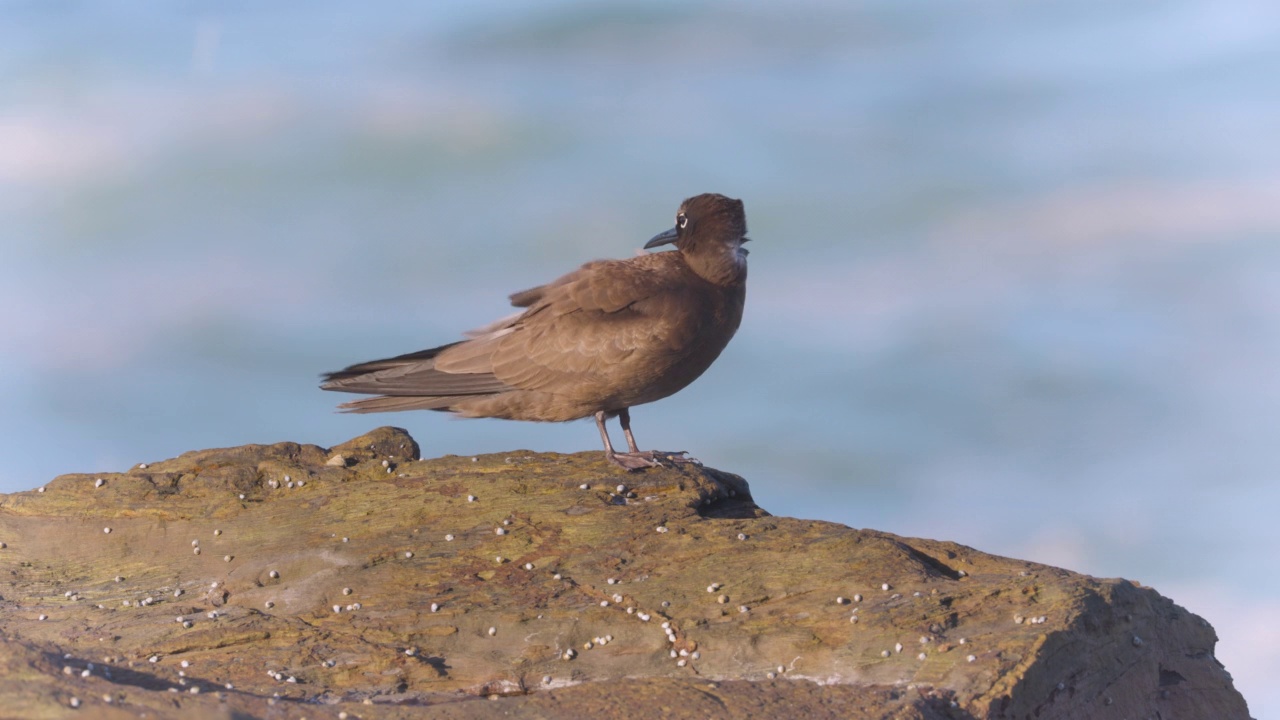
291, 581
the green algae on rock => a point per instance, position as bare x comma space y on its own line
360, 579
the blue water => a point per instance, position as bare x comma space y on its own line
1014, 278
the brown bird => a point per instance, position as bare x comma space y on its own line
608, 336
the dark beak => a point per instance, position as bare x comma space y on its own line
664, 238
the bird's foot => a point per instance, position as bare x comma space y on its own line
632, 461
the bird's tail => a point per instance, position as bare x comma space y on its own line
387, 403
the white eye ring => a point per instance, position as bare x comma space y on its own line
682, 220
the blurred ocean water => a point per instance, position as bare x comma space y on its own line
1014, 282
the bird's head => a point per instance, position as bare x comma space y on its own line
710, 228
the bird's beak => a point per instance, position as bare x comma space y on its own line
663, 238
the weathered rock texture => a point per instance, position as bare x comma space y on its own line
222, 589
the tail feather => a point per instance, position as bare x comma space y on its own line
395, 404
374, 366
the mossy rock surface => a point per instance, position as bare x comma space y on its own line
359, 579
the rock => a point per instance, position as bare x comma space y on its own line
715, 608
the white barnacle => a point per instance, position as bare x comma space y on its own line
347, 591
153, 659
435, 607
743, 609
471, 498
921, 656
270, 604
722, 599
178, 592
604, 603
661, 528
853, 619
612, 581
557, 576
212, 614
857, 598
408, 553
74, 702
40, 489
195, 551
43, 617
570, 654
622, 489
217, 531
842, 601
644, 617
99, 483
187, 624
528, 566
493, 631
617, 598
971, 658
499, 559
274, 574
682, 662
106, 530
884, 653
448, 538
897, 647
742, 536
499, 531
227, 558
885, 586
337, 608
584, 486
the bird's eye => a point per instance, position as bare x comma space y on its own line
682, 220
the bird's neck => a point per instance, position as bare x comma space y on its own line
725, 266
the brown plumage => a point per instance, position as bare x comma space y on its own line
606, 337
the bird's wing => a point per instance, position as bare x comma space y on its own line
579, 327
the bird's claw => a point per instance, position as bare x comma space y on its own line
632, 461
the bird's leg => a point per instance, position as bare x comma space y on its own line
604, 434
624, 419
654, 458
627, 461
